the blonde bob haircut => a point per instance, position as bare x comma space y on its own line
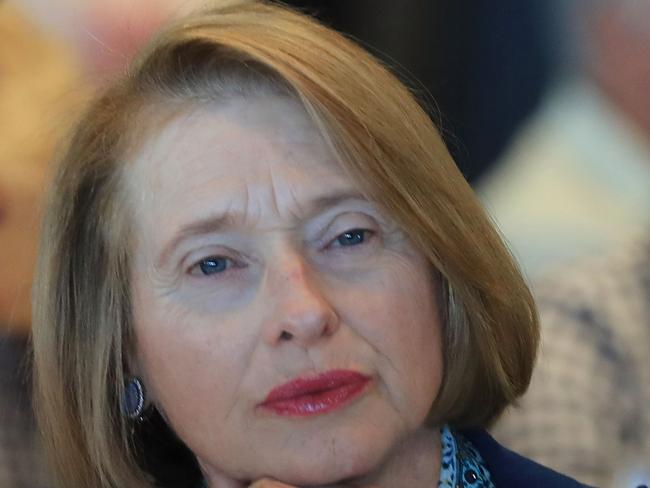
83, 330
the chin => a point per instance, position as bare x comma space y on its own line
331, 464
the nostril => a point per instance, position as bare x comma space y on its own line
286, 336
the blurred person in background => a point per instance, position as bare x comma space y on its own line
103, 35
587, 411
46, 49
577, 182
36, 77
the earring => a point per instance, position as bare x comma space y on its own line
133, 399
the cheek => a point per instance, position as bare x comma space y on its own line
175, 349
400, 319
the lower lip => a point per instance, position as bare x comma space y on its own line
319, 402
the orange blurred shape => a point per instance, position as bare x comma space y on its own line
38, 82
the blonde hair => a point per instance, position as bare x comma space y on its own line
82, 313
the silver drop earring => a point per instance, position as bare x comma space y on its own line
133, 399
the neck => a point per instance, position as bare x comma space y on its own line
415, 463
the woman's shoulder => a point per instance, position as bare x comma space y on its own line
508, 468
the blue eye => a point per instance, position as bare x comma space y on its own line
352, 237
214, 265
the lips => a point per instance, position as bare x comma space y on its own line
316, 395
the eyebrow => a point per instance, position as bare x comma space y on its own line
222, 221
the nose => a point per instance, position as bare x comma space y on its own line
299, 311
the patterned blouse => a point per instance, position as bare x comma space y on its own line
461, 465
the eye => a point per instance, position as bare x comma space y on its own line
353, 237
212, 265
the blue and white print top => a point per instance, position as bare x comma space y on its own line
461, 465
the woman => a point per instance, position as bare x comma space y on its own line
261, 266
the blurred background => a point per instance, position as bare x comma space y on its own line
544, 105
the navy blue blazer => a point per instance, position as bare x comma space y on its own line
510, 470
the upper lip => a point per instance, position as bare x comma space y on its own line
302, 386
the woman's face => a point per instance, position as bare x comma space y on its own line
285, 327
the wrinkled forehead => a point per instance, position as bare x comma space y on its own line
241, 156
230, 127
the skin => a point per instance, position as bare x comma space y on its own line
292, 297
621, 59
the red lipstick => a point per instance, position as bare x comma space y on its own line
315, 395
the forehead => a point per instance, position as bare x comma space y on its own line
242, 128
246, 149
